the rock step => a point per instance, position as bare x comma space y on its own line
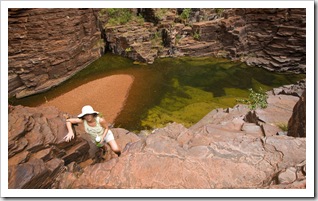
77, 153
252, 129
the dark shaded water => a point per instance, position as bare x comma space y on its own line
179, 90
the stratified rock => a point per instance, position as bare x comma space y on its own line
233, 160
37, 151
274, 39
293, 89
278, 111
226, 149
35, 173
220, 151
134, 41
47, 46
297, 123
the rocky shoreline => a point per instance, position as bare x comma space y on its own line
228, 148
44, 51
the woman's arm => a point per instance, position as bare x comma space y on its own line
69, 122
104, 123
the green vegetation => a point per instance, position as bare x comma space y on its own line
219, 11
128, 49
156, 39
182, 89
185, 15
160, 13
178, 38
100, 43
120, 16
157, 35
255, 99
283, 126
196, 36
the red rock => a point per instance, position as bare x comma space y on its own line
210, 154
297, 122
43, 41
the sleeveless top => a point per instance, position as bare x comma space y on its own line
94, 131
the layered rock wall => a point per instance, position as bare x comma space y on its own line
47, 46
274, 39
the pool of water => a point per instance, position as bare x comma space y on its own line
179, 90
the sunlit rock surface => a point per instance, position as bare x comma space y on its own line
228, 148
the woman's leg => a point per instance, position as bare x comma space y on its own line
114, 147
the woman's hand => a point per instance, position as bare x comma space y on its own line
69, 137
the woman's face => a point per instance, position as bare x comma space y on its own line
89, 117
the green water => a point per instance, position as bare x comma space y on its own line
179, 90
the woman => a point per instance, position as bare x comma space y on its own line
95, 126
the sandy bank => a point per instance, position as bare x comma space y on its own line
106, 95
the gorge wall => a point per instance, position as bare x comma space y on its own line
274, 39
47, 46
229, 148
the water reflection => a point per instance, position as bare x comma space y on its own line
179, 90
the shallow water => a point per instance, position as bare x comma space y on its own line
179, 90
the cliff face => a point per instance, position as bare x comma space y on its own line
274, 39
271, 38
47, 46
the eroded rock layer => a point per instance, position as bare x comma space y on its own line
274, 38
228, 148
47, 46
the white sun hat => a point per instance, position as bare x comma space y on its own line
87, 109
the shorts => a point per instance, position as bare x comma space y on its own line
109, 136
